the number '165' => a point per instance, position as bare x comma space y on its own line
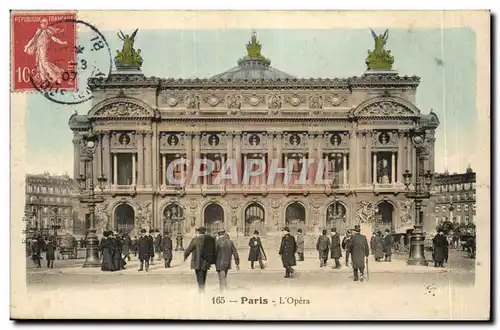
23, 75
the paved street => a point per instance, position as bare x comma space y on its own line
460, 270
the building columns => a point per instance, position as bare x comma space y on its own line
133, 170
140, 159
344, 168
197, 152
393, 167
115, 169
374, 166
237, 155
399, 168
148, 160
163, 170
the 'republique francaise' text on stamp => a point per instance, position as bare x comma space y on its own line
43, 50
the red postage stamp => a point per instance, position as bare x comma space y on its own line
43, 50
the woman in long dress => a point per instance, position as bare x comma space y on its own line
38, 46
106, 247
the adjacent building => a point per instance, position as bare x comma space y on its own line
455, 197
359, 127
49, 205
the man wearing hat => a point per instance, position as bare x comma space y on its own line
144, 246
359, 249
336, 252
202, 248
288, 248
152, 241
166, 247
225, 251
345, 240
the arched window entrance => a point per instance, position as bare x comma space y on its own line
213, 218
336, 217
295, 217
124, 218
173, 219
384, 215
254, 219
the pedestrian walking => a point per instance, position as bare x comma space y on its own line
152, 246
134, 246
323, 246
158, 239
440, 244
288, 248
336, 251
118, 262
166, 247
345, 240
256, 252
388, 243
36, 249
127, 243
225, 251
358, 247
300, 244
378, 246
202, 248
144, 247
50, 254
106, 247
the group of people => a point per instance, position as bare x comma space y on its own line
326, 244
39, 244
115, 249
206, 250
381, 246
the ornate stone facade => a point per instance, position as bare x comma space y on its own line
359, 126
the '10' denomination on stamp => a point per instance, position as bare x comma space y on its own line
43, 50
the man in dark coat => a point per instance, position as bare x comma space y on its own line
336, 251
166, 247
203, 249
345, 240
440, 249
134, 246
158, 249
225, 251
358, 247
288, 248
323, 246
377, 246
256, 252
36, 250
50, 253
144, 247
127, 242
388, 243
300, 244
152, 252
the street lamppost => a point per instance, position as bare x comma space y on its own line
423, 182
87, 154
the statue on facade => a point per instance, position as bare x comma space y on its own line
383, 171
128, 56
380, 58
406, 211
365, 211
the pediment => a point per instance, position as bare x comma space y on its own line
386, 107
122, 107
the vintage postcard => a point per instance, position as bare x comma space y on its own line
250, 165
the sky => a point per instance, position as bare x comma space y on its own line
445, 59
